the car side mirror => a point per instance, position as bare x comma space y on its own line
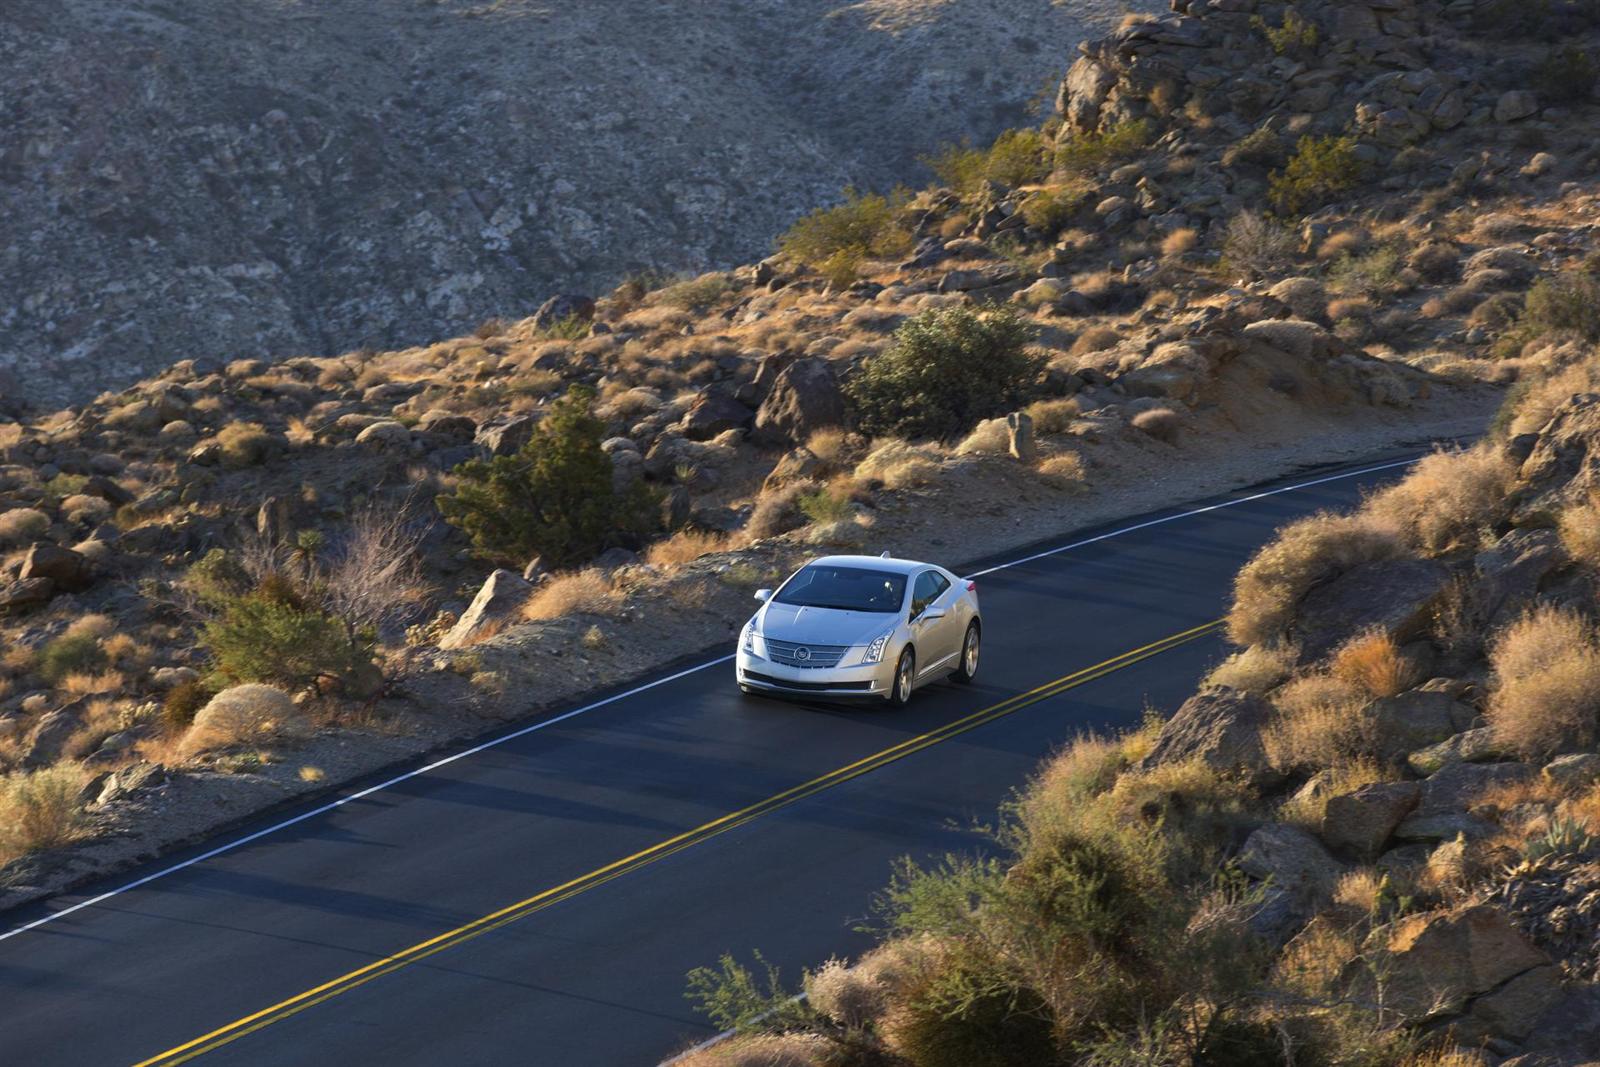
763, 595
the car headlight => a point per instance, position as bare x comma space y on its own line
874, 651
749, 641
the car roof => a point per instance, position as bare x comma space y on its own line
877, 563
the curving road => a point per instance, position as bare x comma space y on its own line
538, 900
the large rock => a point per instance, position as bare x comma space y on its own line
805, 398
386, 436
51, 734
1305, 340
1469, 746
1219, 727
1443, 810
18, 597
66, 568
1291, 859
1514, 105
564, 306
713, 413
1510, 573
503, 592
1435, 963
1415, 719
130, 780
507, 437
1361, 820
1392, 595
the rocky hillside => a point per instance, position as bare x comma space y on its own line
272, 179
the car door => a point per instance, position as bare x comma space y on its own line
932, 622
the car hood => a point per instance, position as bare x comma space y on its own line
823, 626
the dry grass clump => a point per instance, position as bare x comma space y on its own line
1095, 339
1546, 695
244, 714
1065, 470
1306, 807
1372, 663
1271, 584
853, 997
243, 444
1178, 242
833, 446
587, 592
40, 809
763, 1050
1321, 722
778, 511
1163, 424
891, 453
1541, 398
1255, 669
1448, 499
1579, 527
21, 526
989, 436
685, 546
911, 473
1054, 416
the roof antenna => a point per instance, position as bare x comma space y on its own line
884, 554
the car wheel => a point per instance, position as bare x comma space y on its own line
969, 653
905, 672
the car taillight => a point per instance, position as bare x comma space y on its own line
972, 587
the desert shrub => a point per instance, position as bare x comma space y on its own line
1255, 669
1320, 169
181, 703
1448, 499
587, 592
70, 653
1261, 147
1256, 244
39, 809
695, 293
1566, 74
244, 444
1435, 261
1180, 242
244, 714
1092, 151
1375, 271
989, 436
1050, 210
1305, 552
21, 526
1017, 157
686, 546
1580, 533
967, 1015
1563, 302
945, 370
273, 635
1546, 693
553, 499
1054, 416
824, 505
1372, 663
866, 223
1163, 424
1296, 35
841, 269
1321, 723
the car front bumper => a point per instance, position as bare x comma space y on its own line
860, 681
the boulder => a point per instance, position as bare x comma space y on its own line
1220, 727
1392, 595
17, 597
962, 281
1291, 859
1468, 746
1574, 770
805, 398
130, 780
386, 436
1442, 812
1515, 104
448, 425
506, 438
1361, 821
66, 568
564, 306
1019, 434
502, 593
796, 465
713, 413
1306, 340
1511, 572
51, 734
1437, 962
1413, 720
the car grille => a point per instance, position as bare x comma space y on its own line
793, 654
807, 687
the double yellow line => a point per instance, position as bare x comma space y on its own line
601, 875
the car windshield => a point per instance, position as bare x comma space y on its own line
844, 589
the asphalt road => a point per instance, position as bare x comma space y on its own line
376, 932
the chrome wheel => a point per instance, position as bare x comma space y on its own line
969, 654
904, 672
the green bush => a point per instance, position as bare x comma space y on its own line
1320, 170
967, 1014
694, 294
265, 637
864, 224
1017, 157
946, 370
71, 654
553, 499
181, 703
1050, 210
1567, 302
1566, 74
1296, 35
1085, 152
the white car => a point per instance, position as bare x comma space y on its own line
861, 626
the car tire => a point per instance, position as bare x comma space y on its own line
905, 674
971, 645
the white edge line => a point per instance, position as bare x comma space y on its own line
546, 723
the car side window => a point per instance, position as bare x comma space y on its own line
924, 592
940, 584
